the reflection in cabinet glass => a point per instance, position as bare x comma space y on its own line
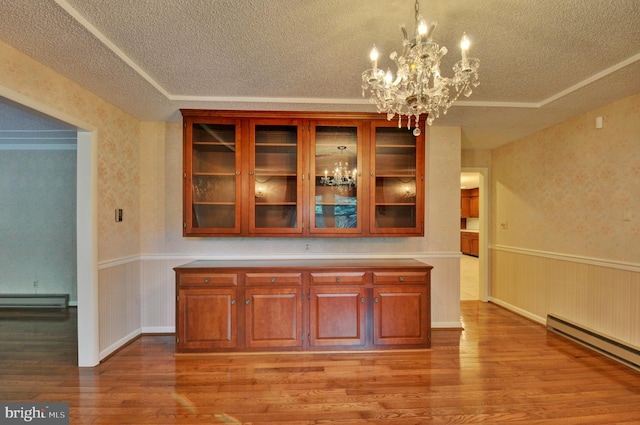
336, 170
214, 177
274, 166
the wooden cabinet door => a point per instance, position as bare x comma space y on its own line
465, 243
337, 316
401, 315
474, 206
275, 176
336, 186
273, 317
212, 176
465, 204
396, 188
474, 242
207, 319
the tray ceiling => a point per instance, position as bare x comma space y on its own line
542, 61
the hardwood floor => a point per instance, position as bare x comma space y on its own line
502, 369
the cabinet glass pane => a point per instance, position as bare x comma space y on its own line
213, 180
336, 181
275, 172
395, 182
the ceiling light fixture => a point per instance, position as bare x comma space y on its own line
418, 88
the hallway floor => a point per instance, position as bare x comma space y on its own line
469, 278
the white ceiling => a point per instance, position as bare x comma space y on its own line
542, 61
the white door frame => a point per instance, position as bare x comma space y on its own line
483, 283
86, 227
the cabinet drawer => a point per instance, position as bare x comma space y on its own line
259, 279
387, 278
209, 279
346, 278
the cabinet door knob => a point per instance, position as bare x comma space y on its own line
338, 279
376, 299
401, 279
273, 279
207, 280
247, 301
362, 300
233, 302
237, 173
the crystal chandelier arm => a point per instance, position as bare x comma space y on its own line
418, 88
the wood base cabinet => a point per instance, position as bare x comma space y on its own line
298, 305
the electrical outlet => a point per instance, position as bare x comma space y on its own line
118, 215
35, 283
306, 246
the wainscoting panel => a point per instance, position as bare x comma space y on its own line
445, 290
119, 303
157, 282
597, 294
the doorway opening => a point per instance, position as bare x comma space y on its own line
86, 222
473, 234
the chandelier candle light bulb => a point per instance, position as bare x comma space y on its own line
419, 88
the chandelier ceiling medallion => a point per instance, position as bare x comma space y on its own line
418, 89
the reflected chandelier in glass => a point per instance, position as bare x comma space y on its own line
341, 175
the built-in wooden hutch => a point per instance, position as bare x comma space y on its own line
301, 174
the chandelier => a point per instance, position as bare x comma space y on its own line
418, 88
341, 175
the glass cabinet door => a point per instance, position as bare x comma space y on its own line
336, 184
397, 187
275, 193
212, 177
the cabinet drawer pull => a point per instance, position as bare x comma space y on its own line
247, 301
207, 280
401, 279
337, 279
233, 302
273, 279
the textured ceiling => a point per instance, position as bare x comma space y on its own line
542, 61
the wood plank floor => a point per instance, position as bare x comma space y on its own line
502, 369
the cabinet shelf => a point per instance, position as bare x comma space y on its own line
212, 174
274, 174
224, 144
391, 146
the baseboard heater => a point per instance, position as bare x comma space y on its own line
608, 346
34, 300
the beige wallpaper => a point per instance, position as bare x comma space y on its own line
117, 139
571, 188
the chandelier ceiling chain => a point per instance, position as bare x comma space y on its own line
418, 88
